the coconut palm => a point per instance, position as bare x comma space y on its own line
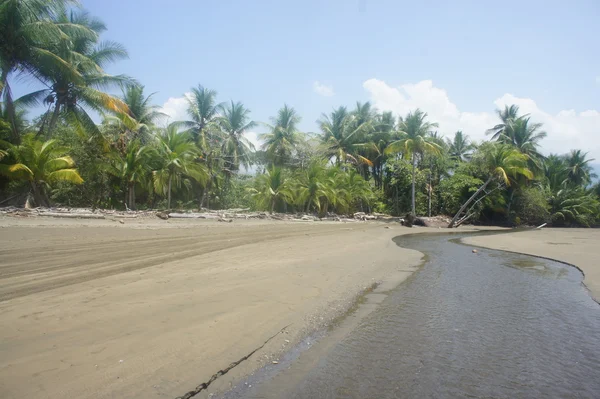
501, 162
556, 172
460, 148
236, 148
28, 32
178, 158
579, 170
72, 95
41, 164
134, 167
573, 206
506, 115
414, 141
283, 138
203, 110
270, 188
311, 188
340, 133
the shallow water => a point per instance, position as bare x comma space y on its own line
484, 325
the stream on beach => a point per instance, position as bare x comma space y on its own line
476, 325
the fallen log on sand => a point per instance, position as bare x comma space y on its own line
72, 215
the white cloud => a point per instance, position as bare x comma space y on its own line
568, 129
323, 89
253, 138
176, 108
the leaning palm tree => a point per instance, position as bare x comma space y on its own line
177, 156
41, 164
236, 148
29, 33
502, 162
283, 138
580, 172
414, 142
460, 148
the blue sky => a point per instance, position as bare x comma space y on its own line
456, 60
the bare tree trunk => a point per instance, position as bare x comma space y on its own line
414, 168
38, 195
169, 192
462, 208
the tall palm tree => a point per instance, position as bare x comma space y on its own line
340, 132
42, 164
28, 32
502, 162
580, 172
203, 111
134, 167
236, 148
460, 148
414, 141
280, 143
73, 96
526, 137
177, 155
506, 115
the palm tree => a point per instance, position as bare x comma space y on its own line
311, 188
340, 132
236, 148
502, 162
42, 164
460, 148
573, 206
580, 172
178, 158
280, 143
74, 95
414, 141
269, 188
203, 110
506, 115
556, 172
28, 32
132, 168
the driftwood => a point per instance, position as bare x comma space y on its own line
72, 215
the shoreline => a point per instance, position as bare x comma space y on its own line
574, 247
161, 327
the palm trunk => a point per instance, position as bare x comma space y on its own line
10, 107
38, 195
466, 204
169, 192
273, 204
54, 118
132, 196
429, 190
414, 169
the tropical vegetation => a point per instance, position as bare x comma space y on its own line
91, 147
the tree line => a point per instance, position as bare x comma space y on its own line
360, 160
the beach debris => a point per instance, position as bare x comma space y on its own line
275, 362
121, 221
541, 225
121, 361
162, 215
225, 220
474, 251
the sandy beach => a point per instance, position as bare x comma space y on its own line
577, 247
99, 309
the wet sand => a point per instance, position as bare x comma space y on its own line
579, 247
151, 309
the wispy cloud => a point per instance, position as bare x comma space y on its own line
323, 89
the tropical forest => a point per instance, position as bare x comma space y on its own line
93, 139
